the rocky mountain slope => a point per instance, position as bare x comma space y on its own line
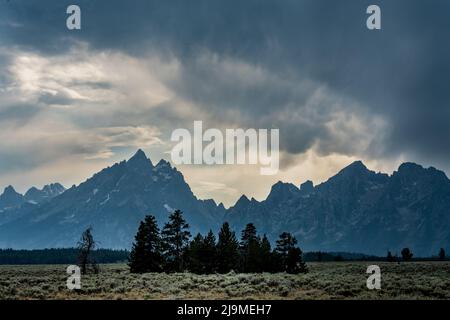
357, 210
113, 202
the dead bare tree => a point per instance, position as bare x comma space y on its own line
86, 246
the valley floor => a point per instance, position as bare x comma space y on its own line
336, 280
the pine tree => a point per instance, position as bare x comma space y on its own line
248, 234
286, 242
406, 254
146, 254
209, 253
389, 257
194, 261
250, 249
442, 254
265, 254
294, 262
289, 255
175, 236
227, 250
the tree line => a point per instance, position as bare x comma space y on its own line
407, 255
172, 250
59, 256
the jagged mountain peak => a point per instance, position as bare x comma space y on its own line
139, 154
242, 205
10, 190
243, 200
411, 175
31, 191
281, 191
114, 201
356, 210
411, 168
10, 198
408, 166
49, 191
139, 158
54, 188
165, 170
355, 173
307, 187
163, 163
356, 167
282, 187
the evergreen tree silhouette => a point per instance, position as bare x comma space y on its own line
442, 254
146, 254
201, 254
209, 253
294, 261
284, 243
289, 255
265, 254
227, 250
175, 237
250, 250
406, 254
193, 256
389, 257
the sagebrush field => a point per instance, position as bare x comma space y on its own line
337, 280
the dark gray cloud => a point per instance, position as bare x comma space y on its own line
400, 74
20, 113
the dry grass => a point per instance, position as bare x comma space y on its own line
344, 280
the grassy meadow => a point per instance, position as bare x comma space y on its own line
327, 280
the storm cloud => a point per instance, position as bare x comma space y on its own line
310, 68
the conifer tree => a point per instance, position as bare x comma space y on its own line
209, 253
294, 261
406, 254
227, 250
201, 254
265, 254
442, 254
389, 257
146, 254
175, 236
289, 255
194, 261
250, 249
284, 243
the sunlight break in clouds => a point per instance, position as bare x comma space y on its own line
99, 106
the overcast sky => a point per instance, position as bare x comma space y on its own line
73, 102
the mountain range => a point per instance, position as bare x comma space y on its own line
357, 210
